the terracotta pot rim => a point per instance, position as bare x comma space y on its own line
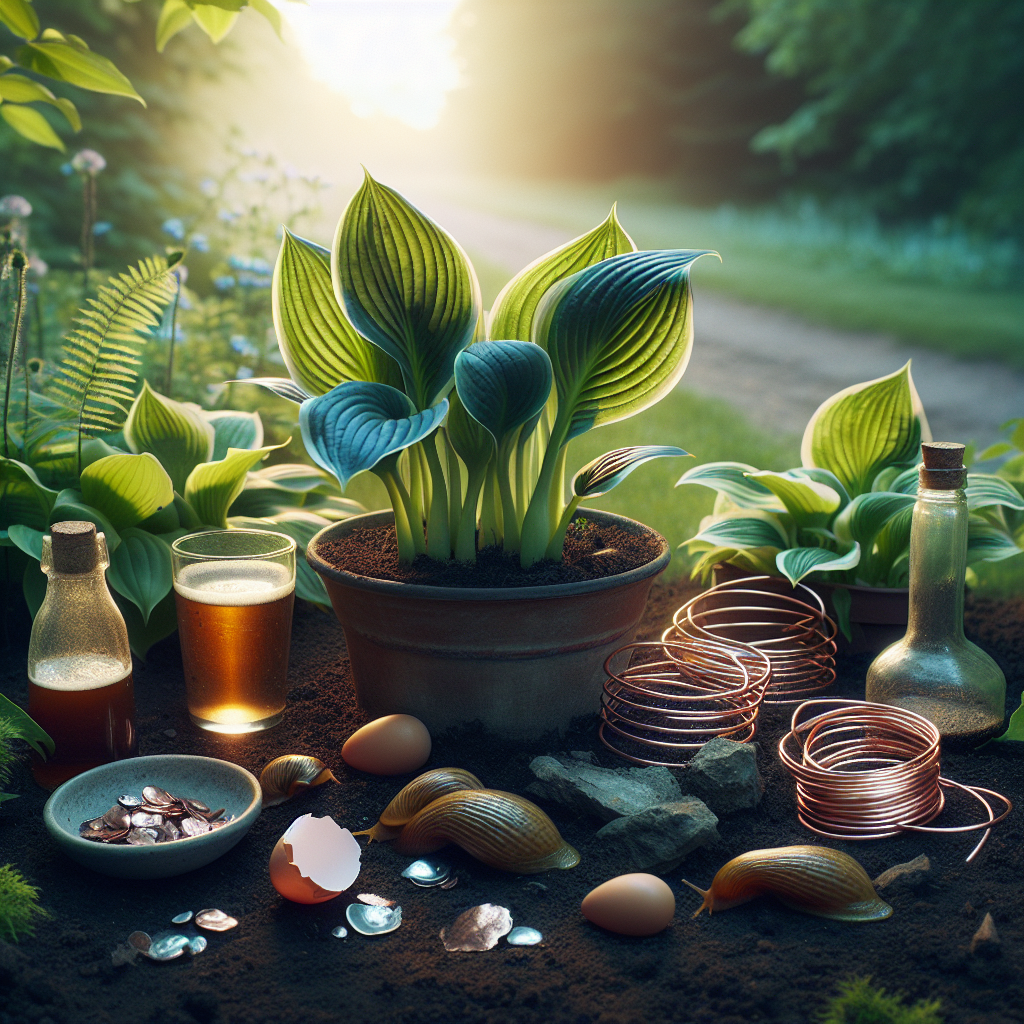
429, 593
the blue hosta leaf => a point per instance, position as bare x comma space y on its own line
860, 431
746, 531
126, 488
862, 519
986, 489
23, 498
234, 429
619, 335
355, 425
283, 387
212, 486
140, 569
407, 286
796, 563
810, 503
70, 506
503, 384
609, 470
734, 480
513, 311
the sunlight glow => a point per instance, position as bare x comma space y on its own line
390, 57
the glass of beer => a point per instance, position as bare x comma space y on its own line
235, 590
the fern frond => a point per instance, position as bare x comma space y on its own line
97, 374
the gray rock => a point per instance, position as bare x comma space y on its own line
986, 941
583, 755
914, 873
608, 793
660, 838
723, 773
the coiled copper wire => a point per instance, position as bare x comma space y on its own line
867, 771
787, 623
663, 701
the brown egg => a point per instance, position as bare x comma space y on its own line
393, 745
631, 905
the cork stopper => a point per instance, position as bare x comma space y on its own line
74, 548
943, 468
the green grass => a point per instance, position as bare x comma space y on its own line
19, 912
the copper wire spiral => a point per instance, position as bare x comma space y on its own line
787, 623
663, 701
867, 771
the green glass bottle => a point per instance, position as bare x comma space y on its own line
935, 670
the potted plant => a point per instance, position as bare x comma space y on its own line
844, 515
465, 420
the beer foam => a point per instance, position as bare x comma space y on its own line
78, 672
234, 583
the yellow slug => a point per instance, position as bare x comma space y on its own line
415, 796
500, 829
813, 879
287, 775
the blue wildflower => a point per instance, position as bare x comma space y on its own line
175, 227
224, 283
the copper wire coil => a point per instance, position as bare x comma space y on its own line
868, 771
787, 623
663, 701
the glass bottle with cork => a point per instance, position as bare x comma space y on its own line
935, 670
79, 662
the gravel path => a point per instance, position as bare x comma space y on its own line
778, 368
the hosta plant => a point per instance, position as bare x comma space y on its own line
466, 418
844, 515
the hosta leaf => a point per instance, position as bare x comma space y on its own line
892, 543
27, 539
859, 431
320, 347
163, 621
355, 425
55, 56
31, 125
513, 311
987, 543
212, 486
986, 489
283, 387
868, 513
176, 433
503, 384
407, 286
19, 89
70, 506
472, 443
747, 531
609, 470
810, 503
906, 481
23, 498
796, 563
214, 20
734, 480
140, 569
619, 335
234, 429
332, 507
295, 477
823, 476
126, 488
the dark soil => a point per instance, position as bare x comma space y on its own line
591, 552
756, 962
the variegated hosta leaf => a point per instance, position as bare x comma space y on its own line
862, 519
987, 543
810, 503
513, 311
892, 543
734, 480
213, 486
796, 563
609, 470
986, 489
407, 286
234, 429
906, 481
746, 531
619, 335
283, 387
859, 431
127, 488
823, 476
320, 347
355, 425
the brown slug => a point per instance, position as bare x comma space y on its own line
813, 879
415, 796
502, 830
289, 774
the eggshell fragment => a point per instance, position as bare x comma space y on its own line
637, 904
393, 745
315, 860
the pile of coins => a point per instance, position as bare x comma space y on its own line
158, 817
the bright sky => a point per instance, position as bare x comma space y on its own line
391, 57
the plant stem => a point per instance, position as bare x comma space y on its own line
407, 535
465, 544
88, 220
491, 525
554, 551
509, 517
439, 541
537, 522
454, 491
37, 312
556, 496
20, 264
174, 330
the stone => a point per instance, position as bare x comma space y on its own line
660, 838
723, 773
986, 941
583, 755
607, 793
913, 874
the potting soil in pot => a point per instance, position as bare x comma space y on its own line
755, 962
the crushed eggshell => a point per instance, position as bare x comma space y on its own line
315, 860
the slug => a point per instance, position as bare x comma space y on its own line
415, 796
500, 829
287, 775
813, 879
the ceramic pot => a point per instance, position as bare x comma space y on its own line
523, 661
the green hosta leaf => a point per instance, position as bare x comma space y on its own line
355, 425
332, 507
294, 477
735, 480
619, 336
175, 15
810, 503
127, 488
988, 543
884, 480
407, 286
796, 563
865, 428
283, 387
176, 433
140, 569
163, 621
1015, 727
20, 17
513, 311
320, 347
862, 519
233, 429
503, 385
301, 527
25, 728
986, 489
213, 486
27, 539
609, 470
70, 506
31, 125
746, 531
23, 498
70, 60
892, 546
905, 482
823, 476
